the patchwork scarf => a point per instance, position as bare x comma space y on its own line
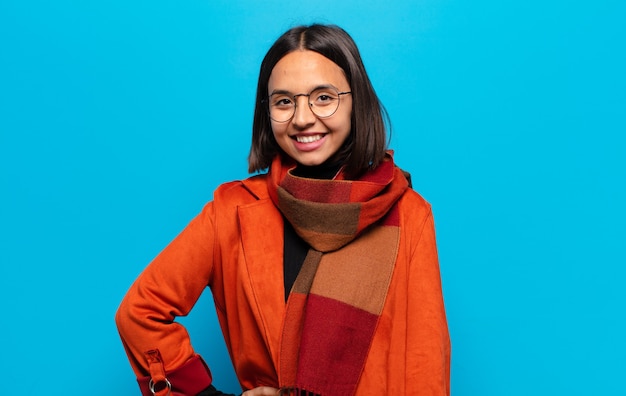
352, 227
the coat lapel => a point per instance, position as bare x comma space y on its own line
262, 238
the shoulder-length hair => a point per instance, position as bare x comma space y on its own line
367, 143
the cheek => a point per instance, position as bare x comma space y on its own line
345, 121
279, 133
346, 116
276, 128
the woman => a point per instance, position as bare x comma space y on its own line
323, 270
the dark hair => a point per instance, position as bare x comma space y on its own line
365, 147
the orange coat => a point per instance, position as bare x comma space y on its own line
235, 246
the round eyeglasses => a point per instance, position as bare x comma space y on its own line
323, 102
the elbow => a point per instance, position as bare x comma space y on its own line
123, 318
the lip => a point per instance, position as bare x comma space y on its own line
300, 146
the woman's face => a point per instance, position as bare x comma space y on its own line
306, 138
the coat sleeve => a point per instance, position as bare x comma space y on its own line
159, 348
428, 341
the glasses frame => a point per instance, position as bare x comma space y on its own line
295, 102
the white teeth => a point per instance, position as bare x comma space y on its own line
308, 139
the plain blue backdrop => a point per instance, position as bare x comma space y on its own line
118, 119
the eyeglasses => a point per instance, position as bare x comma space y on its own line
323, 102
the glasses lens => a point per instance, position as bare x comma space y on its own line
324, 102
282, 107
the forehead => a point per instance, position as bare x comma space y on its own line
301, 71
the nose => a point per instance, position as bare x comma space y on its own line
303, 116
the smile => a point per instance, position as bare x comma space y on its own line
308, 139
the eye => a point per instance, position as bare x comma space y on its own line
323, 98
281, 101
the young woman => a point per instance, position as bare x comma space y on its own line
323, 269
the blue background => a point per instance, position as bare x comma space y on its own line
118, 119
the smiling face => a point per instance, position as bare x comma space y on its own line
306, 138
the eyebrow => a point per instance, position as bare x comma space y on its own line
285, 92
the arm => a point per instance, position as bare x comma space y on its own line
158, 347
428, 341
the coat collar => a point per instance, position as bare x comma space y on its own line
257, 186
